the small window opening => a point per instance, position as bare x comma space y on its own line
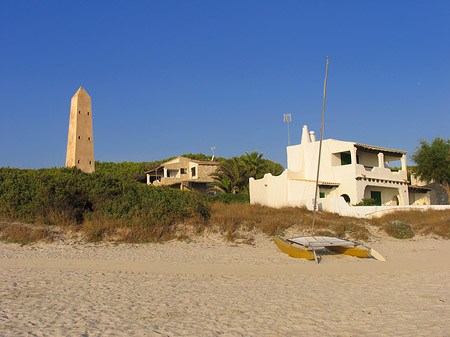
79, 137
89, 138
346, 158
90, 162
78, 162
322, 195
88, 113
193, 171
79, 112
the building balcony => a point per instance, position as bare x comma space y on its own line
383, 173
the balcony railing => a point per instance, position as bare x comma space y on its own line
380, 172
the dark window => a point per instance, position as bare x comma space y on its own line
346, 198
79, 137
183, 171
88, 113
322, 194
193, 171
89, 138
376, 195
346, 158
79, 112
78, 162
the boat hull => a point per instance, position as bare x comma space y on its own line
350, 251
292, 251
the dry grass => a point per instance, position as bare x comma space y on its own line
24, 234
421, 222
231, 218
236, 221
104, 229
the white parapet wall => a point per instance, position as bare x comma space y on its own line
339, 206
269, 191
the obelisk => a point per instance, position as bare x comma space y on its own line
80, 145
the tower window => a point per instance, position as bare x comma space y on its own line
89, 138
79, 112
90, 162
88, 113
78, 162
79, 137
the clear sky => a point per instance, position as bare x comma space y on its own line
173, 77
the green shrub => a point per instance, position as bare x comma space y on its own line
399, 230
367, 202
229, 198
68, 197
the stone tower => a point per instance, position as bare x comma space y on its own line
80, 145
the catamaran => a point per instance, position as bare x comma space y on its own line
306, 246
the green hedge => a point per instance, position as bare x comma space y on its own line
69, 195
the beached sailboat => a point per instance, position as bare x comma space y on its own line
305, 246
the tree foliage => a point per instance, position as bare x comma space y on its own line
233, 174
433, 162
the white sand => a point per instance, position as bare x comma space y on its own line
213, 288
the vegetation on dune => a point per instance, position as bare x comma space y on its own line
429, 222
125, 169
111, 204
399, 230
70, 197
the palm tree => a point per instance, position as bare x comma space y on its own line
253, 163
230, 176
233, 174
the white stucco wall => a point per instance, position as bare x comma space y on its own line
269, 191
296, 186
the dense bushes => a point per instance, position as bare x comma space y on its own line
69, 196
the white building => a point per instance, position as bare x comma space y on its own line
185, 174
349, 173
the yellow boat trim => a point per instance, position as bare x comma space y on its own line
292, 251
350, 251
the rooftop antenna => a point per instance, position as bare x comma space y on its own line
287, 119
213, 148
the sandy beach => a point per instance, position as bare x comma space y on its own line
210, 287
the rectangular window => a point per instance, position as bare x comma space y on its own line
193, 171
376, 195
172, 173
322, 194
183, 171
346, 158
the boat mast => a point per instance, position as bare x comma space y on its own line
320, 150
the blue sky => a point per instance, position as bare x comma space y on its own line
173, 77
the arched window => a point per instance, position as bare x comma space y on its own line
346, 198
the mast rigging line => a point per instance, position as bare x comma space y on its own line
320, 149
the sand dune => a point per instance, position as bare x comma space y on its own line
213, 288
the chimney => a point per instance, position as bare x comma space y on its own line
305, 135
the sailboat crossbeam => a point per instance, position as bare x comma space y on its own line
321, 241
